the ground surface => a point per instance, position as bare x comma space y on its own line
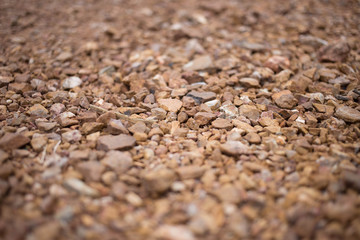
179, 120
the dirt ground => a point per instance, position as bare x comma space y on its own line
179, 120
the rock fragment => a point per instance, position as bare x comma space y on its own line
234, 148
348, 114
336, 52
158, 181
199, 63
119, 142
71, 82
170, 105
13, 141
284, 99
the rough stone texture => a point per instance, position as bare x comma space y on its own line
348, 114
179, 120
171, 105
13, 141
119, 142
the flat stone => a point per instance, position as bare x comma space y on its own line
199, 63
201, 97
250, 82
190, 172
71, 82
119, 142
91, 127
13, 141
118, 161
192, 77
348, 114
234, 148
158, 181
222, 123
170, 105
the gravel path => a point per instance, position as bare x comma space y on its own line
179, 120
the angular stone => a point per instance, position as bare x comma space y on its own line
348, 114
336, 52
192, 77
234, 148
119, 142
159, 113
13, 141
71, 136
250, 82
190, 172
116, 127
38, 111
158, 181
284, 99
118, 161
71, 82
201, 97
203, 118
170, 105
91, 127
80, 187
253, 138
222, 123
91, 170
199, 63
249, 111
277, 63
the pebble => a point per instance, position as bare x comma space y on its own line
203, 118
201, 97
71, 136
118, 142
221, 123
336, 52
234, 148
71, 82
249, 82
348, 114
115, 126
190, 172
159, 180
170, 105
199, 64
91, 127
119, 161
284, 99
252, 137
173, 232
91, 170
13, 141
249, 111
38, 111
80, 187
277, 63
